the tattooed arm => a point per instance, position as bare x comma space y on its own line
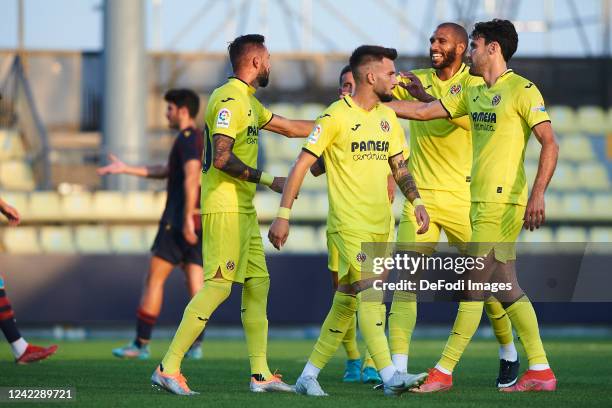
226, 161
406, 183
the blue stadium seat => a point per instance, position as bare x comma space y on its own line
91, 239
563, 118
576, 147
127, 239
592, 119
77, 206
22, 240
57, 239
593, 176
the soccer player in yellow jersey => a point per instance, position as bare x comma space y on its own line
232, 247
503, 112
441, 162
353, 370
359, 138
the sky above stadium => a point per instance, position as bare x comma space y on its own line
208, 25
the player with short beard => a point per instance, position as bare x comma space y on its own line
441, 161
232, 247
359, 208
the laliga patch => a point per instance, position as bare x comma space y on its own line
496, 100
539, 108
455, 89
314, 135
223, 118
385, 126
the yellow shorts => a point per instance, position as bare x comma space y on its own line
232, 243
448, 211
332, 251
352, 260
495, 227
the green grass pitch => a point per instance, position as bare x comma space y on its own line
583, 371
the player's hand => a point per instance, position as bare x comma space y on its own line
391, 189
535, 212
414, 87
279, 231
278, 184
115, 166
189, 230
11, 214
422, 218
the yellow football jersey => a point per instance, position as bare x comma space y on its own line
441, 151
501, 119
232, 111
356, 145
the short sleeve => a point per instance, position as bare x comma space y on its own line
324, 132
397, 143
189, 146
455, 101
531, 105
263, 114
229, 118
399, 92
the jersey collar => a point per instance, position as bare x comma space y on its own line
239, 83
460, 71
351, 104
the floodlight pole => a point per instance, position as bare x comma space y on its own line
124, 118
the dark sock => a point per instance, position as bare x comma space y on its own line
7, 319
144, 327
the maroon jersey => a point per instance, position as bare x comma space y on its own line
187, 146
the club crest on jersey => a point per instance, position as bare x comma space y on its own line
223, 118
361, 257
539, 108
496, 100
314, 135
385, 126
230, 265
455, 89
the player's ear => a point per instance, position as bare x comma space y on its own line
371, 78
255, 61
460, 48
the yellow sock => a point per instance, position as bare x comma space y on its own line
525, 323
350, 341
500, 322
371, 325
367, 361
255, 323
466, 323
402, 319
334, 328
196, 315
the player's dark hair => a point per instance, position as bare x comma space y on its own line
368, 53
347, 68
238, 48
184, 98
499, 31
460, 32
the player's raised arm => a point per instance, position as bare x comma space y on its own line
279, 230
289, 127
407, 185
11, 213
116, 166
226, 161
535, 211
416, 110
